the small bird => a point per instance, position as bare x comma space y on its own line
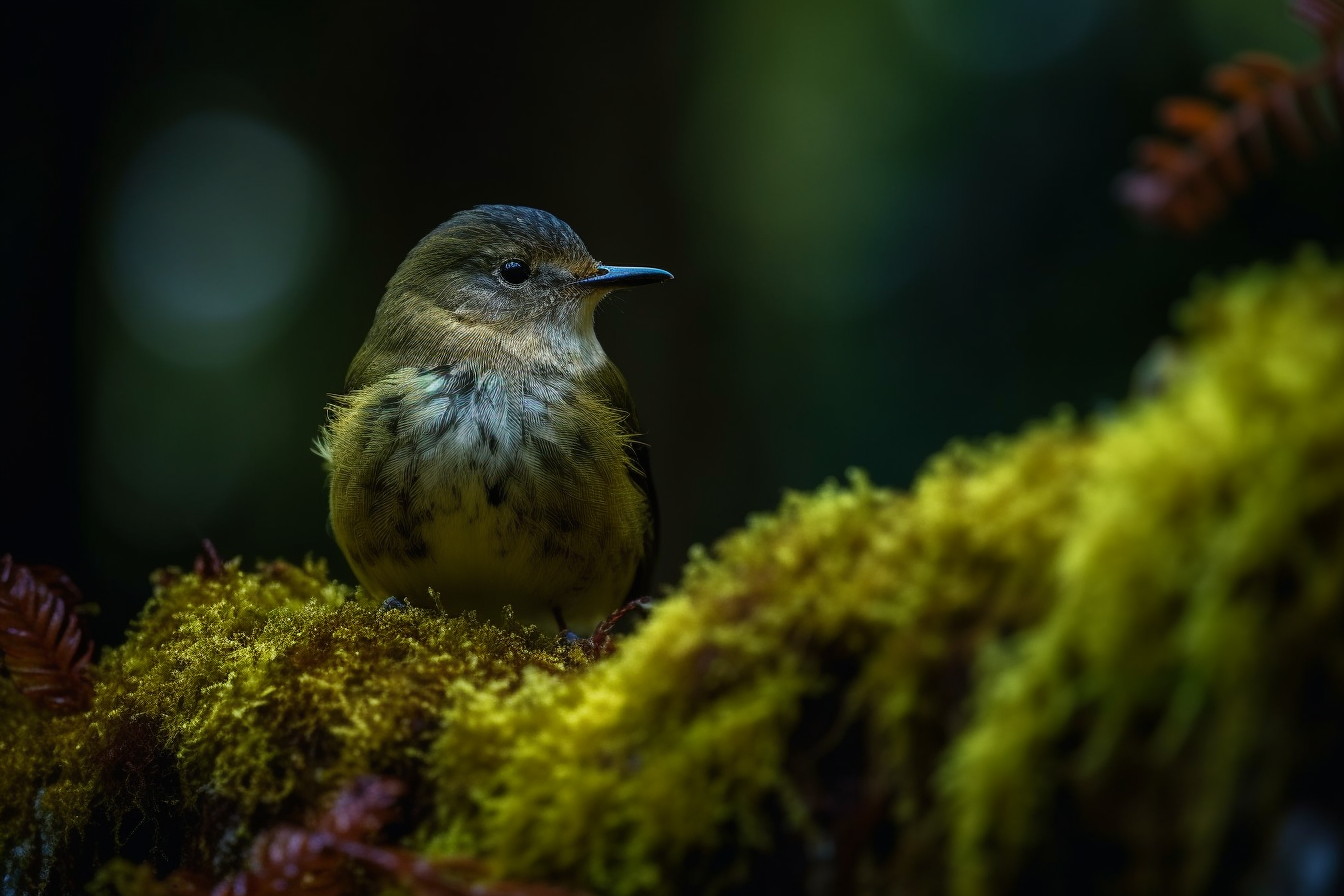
485, 445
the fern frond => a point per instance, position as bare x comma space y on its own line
312, 860
209, 565
40, 637
1215, 150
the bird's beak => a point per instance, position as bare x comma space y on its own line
611, 277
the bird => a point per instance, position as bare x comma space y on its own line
485, 446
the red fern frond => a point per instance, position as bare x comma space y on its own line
444, 877
1325, 17
208, 563
601, 643
362, 808
1187, 180
59, 584
312, 860
289, 859
40, 636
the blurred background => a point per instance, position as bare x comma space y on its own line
891, 223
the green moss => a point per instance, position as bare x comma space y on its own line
1165, 697
240, 699
1100, 654
28, 763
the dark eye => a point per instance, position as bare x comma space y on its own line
515, 271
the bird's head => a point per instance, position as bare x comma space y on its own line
513, 267
494, 277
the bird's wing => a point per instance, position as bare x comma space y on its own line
642, 476
610, 385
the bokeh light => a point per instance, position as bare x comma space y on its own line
216, 231
217, 222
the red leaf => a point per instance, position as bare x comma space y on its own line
1187, 182
311, 860
40, 636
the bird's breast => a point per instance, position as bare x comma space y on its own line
492, 487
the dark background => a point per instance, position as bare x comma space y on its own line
891, 223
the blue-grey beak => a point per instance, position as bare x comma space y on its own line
612, 277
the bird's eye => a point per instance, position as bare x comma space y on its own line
515, 271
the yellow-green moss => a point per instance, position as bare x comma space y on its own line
1099, 654
314, 694
1198, 598
236, 700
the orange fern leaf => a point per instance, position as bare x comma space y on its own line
1186, 181
40, 636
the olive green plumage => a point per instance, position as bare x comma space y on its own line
485, 446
